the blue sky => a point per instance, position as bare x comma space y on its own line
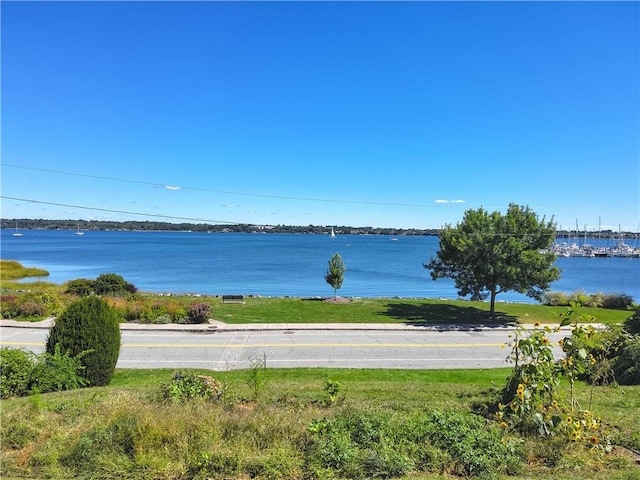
385, 114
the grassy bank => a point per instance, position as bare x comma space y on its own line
275, 431
12, 270
412, 311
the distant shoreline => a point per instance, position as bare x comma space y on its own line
165, 227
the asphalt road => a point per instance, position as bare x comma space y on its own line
220, 350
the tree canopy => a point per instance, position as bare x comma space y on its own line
490, 253
335, 272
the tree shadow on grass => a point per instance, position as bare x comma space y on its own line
445, 316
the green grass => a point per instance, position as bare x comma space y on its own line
410, 311
122, 431
12, 270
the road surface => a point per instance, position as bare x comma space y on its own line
220, 350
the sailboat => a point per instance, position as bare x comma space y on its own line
78, 232
333, 234
17, 233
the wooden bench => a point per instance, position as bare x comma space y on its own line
232, 298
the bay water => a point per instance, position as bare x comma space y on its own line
278, 264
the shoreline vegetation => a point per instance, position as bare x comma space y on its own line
153, 226
39, 300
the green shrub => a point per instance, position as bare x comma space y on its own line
617, 301
626, 366
58, 371
113, 284
82, 287
162, 319
476, 447
632, 324
15, 372
89, 324
185, 386
23, 372
555, 299
375, 444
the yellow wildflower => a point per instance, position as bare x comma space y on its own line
504, 425
594, 440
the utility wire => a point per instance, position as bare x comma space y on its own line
180, 187
191, 219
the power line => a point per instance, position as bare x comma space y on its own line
204, 220
226, 192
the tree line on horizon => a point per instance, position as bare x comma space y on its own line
150, 225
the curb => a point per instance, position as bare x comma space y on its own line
216, 326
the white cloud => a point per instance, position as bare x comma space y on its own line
458, 201
172, 187
442, 201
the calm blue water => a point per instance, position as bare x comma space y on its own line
277, 264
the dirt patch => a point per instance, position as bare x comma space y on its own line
626, 452
337, 300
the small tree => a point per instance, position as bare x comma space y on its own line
335, 273
89, 324
489, 253
113, 284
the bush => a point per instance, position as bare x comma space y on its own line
632, 323
617, 301
89, 324
82, 287
58, 371
9, 306
377, 444
23, 372
29, 305
185, 386
15, 372
31, 308
113, 284
626, 366
555, 299
199, 312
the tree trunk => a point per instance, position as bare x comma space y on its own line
492, 308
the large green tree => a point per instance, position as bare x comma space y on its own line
335, 273
490, 253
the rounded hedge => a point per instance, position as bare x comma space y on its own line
89, 324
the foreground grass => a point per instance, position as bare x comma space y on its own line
124, 431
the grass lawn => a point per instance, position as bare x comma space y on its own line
124, 431
418, 312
